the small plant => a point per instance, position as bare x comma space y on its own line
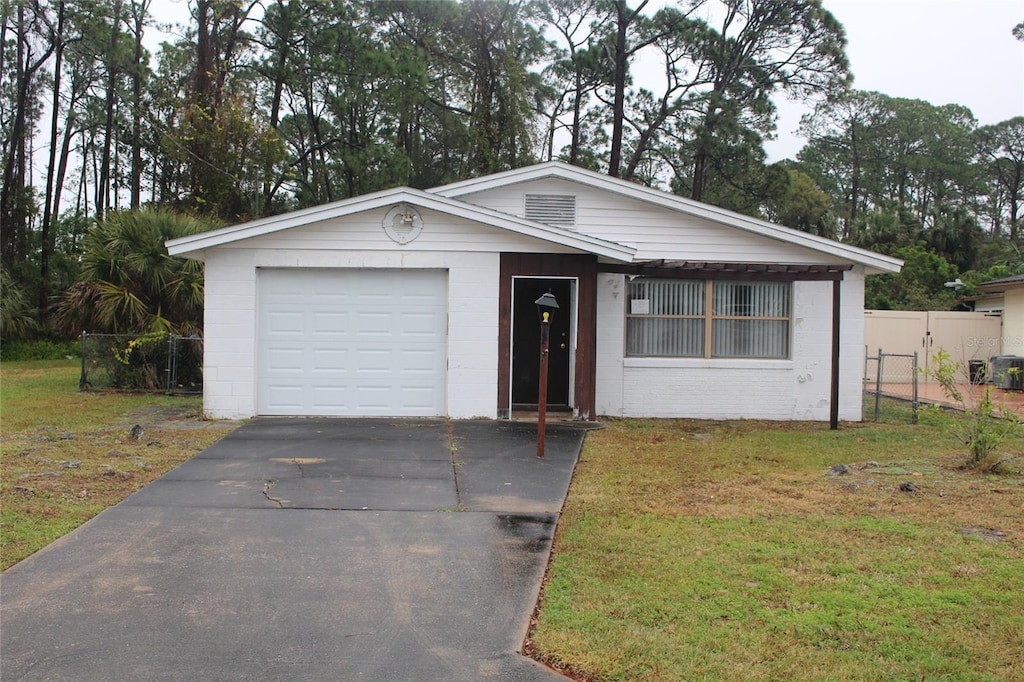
136, 364
982, 426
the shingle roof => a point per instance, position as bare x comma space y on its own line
996, 284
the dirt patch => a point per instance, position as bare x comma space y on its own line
987, 534
174, 418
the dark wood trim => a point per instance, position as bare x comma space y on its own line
584, 268
761, 272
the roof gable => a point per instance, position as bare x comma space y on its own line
830, 250
601, 247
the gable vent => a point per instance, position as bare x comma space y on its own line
558, 210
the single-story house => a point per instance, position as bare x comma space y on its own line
1006, 295
421, 303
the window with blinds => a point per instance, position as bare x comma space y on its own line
707, 319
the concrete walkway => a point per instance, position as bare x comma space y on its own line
305, 549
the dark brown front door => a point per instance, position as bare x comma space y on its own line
526, 341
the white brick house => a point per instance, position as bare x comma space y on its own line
413, 303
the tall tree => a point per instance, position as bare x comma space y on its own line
26, 44
220, 123
1001, 151
760, 48
578, 68
842, 152
138, 11
480, 83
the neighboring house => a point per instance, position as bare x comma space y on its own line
1006, 294
421, 303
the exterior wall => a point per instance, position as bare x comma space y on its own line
1013, 322
232, 299
797, 388
655, 232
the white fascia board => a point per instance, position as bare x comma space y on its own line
600, 247
875, 263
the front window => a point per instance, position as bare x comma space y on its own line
707, 319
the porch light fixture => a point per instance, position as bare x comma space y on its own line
546, 307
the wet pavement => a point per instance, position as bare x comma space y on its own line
305, 549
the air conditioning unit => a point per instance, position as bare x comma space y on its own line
1008, 372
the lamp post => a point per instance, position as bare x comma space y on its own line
546, 307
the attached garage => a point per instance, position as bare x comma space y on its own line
351, 342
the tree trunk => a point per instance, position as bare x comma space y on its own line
854, 182
702, 154
577, 115
140, 10
103, 181
14, 209
619, 84
51, 208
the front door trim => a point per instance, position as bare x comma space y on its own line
583, 268
571, 307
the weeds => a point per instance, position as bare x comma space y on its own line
981, 425
68, 455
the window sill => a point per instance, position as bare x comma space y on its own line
709, 363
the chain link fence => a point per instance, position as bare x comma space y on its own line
892, 376
151, 362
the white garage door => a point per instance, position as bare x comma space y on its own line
352, 342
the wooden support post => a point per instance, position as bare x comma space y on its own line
833, 419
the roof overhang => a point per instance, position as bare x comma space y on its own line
779, 272
874, 263
194, 245
1001, 285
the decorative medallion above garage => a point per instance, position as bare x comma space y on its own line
402, 224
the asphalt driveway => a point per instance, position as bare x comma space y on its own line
305, 549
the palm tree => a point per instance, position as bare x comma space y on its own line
17, 315
129, 283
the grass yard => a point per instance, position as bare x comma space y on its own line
725, 551
66, 456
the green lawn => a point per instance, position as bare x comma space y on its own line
724, 551
67, 455
687, 551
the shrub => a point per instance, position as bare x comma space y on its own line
982, 427
42, 349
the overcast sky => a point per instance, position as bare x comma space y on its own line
941, 51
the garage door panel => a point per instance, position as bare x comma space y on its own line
330, 323
331, 398
374, 325
329, 361
287, 360
411, 360
420, 324
352, 342
284, 322
286, 396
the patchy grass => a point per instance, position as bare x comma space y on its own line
724, 550
68, 456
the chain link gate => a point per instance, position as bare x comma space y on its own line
892, 375
150, 362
